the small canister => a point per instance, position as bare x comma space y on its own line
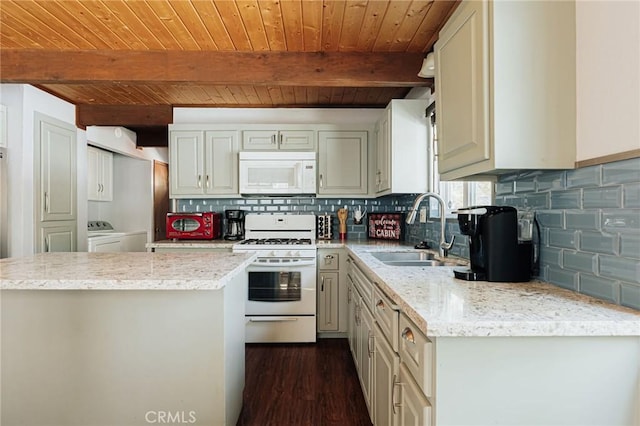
324, 227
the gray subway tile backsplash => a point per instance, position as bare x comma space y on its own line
566, 199
584, 177
631, 195
598, 242
602, 288
603, 197
590, 227
621, 171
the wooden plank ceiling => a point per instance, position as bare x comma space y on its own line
112, 57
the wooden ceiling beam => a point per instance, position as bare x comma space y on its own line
327, 69
123, 115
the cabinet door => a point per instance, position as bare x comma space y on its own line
415, 409
99, 175
328, 297
57, 157
259, 140
221, 162
342, 162
186, 162
352, 300
106, 176
387, 397
59, 236
383, 151
462, 88
93, 174
366, 358
296, 140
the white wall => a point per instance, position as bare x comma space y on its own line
22, 102
608, 77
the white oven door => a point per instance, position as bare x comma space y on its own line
281, 286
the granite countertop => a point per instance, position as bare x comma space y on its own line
441, 305
191, 244
121, 271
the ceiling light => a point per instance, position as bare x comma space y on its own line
428, 67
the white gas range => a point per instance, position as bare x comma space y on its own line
281, 304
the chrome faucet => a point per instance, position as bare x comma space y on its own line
444, 245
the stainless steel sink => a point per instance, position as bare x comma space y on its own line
403, 256
411, 258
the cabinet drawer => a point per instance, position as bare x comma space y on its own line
386, 315
416, 351
362, 283
328, 261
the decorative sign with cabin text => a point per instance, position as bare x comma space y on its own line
386, 226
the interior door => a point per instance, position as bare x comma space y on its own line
160, 199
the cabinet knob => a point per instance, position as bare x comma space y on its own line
407, 335
380, 304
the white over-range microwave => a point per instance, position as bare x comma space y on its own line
275, 173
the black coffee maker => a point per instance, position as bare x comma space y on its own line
235, 225
495, 251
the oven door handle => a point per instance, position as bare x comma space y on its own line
272, 319
284, 264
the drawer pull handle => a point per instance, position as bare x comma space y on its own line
407, 335
393, 394
329, 257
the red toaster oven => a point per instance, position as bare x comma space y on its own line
194, 226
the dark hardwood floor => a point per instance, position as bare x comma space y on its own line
302, 384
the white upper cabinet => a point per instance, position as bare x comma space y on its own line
285, 140
203, 163
401, 151
99, 175
505, 89
342, 162
56, 155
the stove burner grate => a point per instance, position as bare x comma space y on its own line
277, 241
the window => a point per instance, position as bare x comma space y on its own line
456, 194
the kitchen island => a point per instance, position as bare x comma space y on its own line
122, 338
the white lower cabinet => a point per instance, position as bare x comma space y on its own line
58, 236
393, 358
361, 337
415, 409
366, 356
387, 403
353, 300
332, 287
